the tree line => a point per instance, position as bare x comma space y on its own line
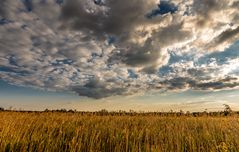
226, 112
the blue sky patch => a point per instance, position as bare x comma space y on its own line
132, 74
15, 71
4, 21
163, 8
111, 40
221, 57
59, 2
28, 5
61, 62
12, 61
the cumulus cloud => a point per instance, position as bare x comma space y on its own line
108, 17
103, 48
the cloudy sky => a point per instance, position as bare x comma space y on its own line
119, 54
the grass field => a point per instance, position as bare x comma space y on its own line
56, 132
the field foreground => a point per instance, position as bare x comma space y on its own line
55, 131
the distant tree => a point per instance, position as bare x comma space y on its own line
181, 112
103, 111
227, 109
131, 111
205, 113
71, 111
61, 110
1, 109
46, 110
188, 113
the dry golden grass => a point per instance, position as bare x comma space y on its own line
56, 132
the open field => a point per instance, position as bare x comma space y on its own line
56, 131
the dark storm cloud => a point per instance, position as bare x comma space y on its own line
215, 85
204, 10
3, 8
138, 56
204, 7
229, 79
178, 83
228, 35
188, 82
96, 89
172, 34
107, 19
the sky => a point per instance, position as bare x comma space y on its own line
144, 55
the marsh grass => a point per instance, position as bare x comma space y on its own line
56, 132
